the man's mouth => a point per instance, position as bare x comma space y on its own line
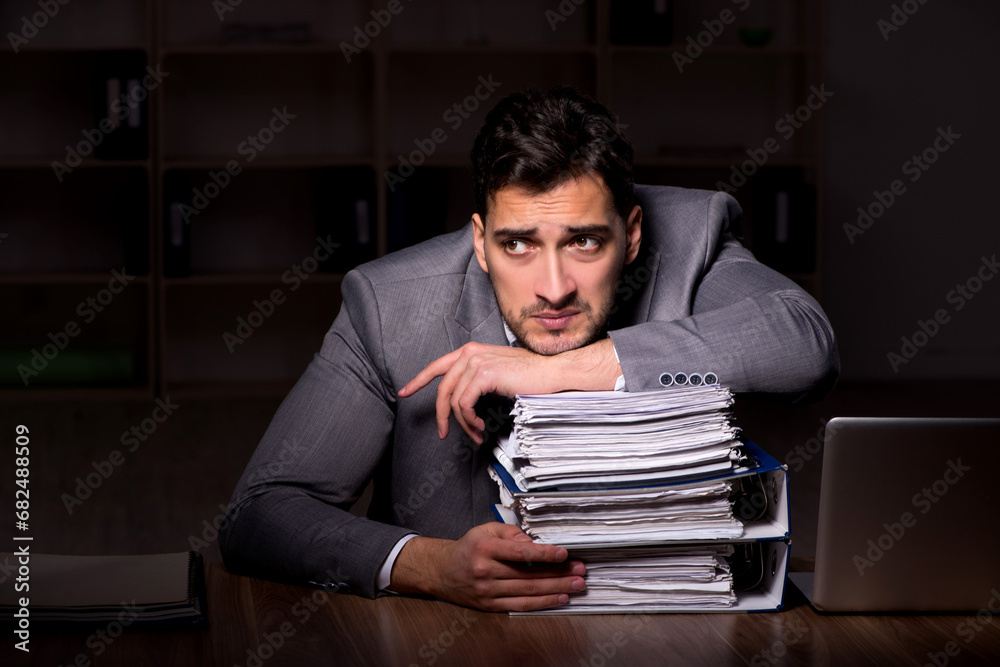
557, 320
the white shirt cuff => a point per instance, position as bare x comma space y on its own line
620, 382
385, 572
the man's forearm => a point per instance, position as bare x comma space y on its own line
590, 368
414, 569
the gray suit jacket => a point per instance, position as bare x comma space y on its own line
694, 300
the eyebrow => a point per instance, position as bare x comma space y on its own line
595, 228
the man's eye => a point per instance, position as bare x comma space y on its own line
514, 245
586, 243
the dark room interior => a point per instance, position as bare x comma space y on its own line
184, 185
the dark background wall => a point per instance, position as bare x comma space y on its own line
892, 96
61, 239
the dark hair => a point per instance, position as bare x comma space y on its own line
538, 140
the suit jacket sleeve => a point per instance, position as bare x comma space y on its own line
289, 518
753, 327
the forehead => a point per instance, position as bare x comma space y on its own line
584, 199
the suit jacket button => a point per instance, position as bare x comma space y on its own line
666, 379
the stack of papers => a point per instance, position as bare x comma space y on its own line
656, 579
600, 439
643, 516
628, 482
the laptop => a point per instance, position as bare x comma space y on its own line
909, 517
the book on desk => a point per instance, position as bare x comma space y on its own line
151, 589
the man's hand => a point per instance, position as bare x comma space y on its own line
475, 369
493, 567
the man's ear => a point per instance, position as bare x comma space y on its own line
633, 234
479, 240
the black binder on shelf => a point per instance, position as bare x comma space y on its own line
121, 106
345, 211
784, 220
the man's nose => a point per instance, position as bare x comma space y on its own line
553, 283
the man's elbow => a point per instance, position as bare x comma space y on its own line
230, 544
821, 370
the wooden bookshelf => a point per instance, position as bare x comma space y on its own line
323, 175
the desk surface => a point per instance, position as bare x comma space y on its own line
256, 623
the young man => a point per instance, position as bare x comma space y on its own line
528, 298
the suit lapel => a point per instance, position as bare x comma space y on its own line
477, 318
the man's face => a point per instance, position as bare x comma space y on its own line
554, 260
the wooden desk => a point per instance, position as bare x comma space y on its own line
256, 623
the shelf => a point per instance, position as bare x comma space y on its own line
196, 23
235, 334
417, 48
492, 25
324, 175
248, 278
69, 49
59, 116
234, 107
68, 278
14, 162
715, 50
216, 49
443, 161
454, 101
736, 159
224, 390
107, 25
88, 393
268, 162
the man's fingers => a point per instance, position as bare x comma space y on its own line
526, 603
526, 552
522, 594
538, 570
436, 368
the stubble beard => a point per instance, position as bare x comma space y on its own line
558, 341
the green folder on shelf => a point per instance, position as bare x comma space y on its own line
80, 365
